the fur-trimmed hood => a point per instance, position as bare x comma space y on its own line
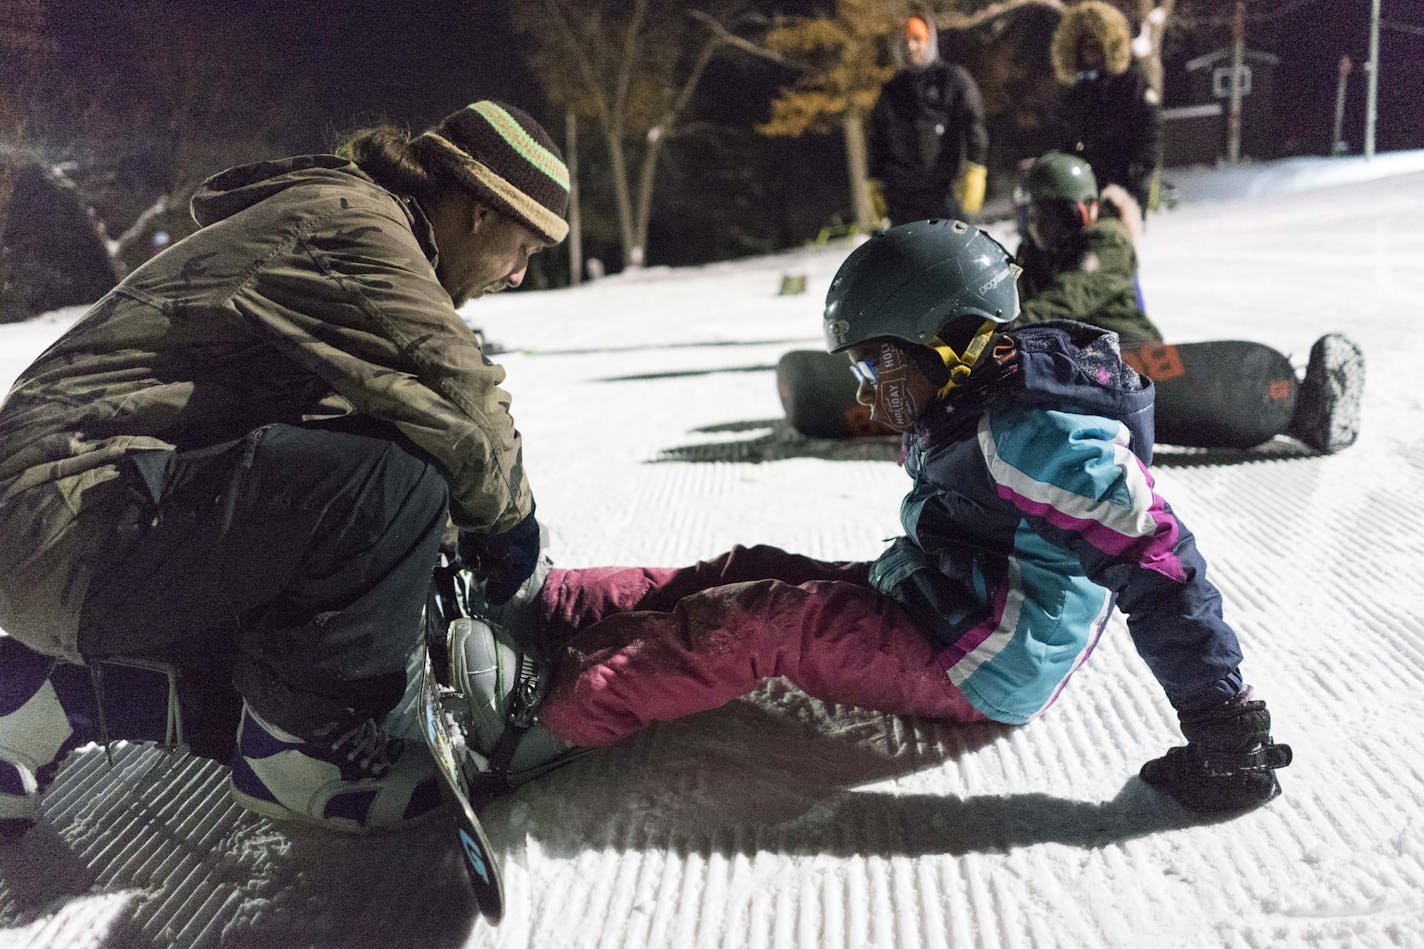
1091, 18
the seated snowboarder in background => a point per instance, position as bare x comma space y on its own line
1031, 513
1079, 263
1078, 253
223, 491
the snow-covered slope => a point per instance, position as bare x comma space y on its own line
649, 412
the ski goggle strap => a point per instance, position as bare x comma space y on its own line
961, 364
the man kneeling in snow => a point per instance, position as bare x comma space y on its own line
238, 468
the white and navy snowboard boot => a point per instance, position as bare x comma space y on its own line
49, 707
1327, 408
354, 778
506, 743
35, 733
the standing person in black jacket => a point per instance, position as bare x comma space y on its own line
1110, 116
928, 144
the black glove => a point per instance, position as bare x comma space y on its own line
503, 561
1229, 761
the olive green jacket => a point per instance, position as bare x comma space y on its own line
1093, 280
309, 293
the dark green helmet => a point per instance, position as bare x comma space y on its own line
913, 280
1057, 176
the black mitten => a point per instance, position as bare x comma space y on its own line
503, 561
1229, 760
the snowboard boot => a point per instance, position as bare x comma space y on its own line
350, 777
1327, 408
49, 707
505, 742
36, 732
456, 592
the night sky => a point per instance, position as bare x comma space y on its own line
1310, 42
415, 60
406, 60
420, 59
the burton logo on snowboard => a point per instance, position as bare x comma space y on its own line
482, 870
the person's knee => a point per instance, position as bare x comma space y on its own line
389, 482
362, 485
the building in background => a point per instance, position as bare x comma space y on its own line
1195, 128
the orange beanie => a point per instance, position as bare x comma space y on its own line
917, 29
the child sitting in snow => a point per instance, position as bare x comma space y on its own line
1031, 514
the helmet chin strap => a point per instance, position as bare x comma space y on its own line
960, 365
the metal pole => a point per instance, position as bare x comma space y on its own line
1338, 145
1372, 94
1238, 61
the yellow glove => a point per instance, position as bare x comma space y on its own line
877, 198
969, 189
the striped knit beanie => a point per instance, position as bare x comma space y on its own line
506, 158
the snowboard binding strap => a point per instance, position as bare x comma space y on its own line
521, 713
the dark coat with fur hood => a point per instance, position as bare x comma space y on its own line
1112, 118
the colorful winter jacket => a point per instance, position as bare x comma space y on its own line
1032, 511
1093, 279
309, 294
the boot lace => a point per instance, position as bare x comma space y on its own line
369, 746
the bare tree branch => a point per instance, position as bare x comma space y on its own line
951, 17
629, 57
730, 38
634, 67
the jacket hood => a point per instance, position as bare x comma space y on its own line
1074, 366
1091, 18
237, 189
900, 56
1061, 365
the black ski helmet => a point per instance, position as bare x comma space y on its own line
1057, 176
912, 281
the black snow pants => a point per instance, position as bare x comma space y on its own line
293, 563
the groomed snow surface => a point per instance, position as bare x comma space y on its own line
651, 424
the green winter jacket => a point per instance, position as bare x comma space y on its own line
1093, 280
309, 293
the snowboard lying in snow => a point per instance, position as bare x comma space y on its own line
1217, 394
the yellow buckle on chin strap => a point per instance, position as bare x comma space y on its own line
960, 365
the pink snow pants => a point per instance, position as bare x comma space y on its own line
648, 644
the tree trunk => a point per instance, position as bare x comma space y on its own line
8, 175
645, 191
858, 167
622, 197
13, 305
1153, 15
